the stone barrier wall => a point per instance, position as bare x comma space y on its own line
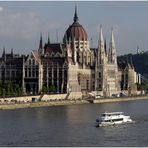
104, 100
71, 96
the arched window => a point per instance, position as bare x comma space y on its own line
29, 61
99, 74
33, 62
78, 57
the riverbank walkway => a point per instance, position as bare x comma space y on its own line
17, 105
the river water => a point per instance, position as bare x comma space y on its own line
73, 125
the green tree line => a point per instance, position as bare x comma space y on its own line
50, 89
10, 89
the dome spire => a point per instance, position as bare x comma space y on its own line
75, 15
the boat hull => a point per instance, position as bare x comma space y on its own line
113, 124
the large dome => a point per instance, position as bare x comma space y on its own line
75, 31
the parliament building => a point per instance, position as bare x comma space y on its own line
70, 66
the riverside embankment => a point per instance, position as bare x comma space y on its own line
40, 104
109, 100
12, 105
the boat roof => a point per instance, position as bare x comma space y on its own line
112, 113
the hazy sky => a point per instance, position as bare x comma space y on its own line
22, 22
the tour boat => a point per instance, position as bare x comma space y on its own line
113, 118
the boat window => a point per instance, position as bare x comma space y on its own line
107, 120
120, 119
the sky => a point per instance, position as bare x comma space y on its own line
22, 22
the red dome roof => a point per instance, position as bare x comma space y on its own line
75, 31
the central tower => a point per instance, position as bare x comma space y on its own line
78, 55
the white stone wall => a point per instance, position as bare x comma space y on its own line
73, 95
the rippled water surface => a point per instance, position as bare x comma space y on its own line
73, 125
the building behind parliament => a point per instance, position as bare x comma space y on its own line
70, 66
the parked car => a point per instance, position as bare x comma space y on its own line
97, 97
116, 95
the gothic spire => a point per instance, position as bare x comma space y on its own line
101, 39
12, 52
66, 40
112, 50
105, 47
75, 15
48, 38
40, 44
3, 52
101, 50
112, 38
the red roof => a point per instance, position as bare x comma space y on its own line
76, 31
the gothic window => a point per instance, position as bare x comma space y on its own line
29, 61
81, 56
85, 58
89, 59
33, 62
36, 72
87, 84
99, 74
100, 87
29, 72
17, 73
55, 74
78, 59
65, 74
13, 73
79, 79
33, 73
50, 74
25, 72
8, 73
93, 85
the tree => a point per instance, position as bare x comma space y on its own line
44, 89
52, 88
1, 88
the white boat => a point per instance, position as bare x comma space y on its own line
113, 118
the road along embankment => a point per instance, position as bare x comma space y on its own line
107, 100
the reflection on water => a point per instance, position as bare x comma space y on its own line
73, 125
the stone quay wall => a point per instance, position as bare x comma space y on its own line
45, 97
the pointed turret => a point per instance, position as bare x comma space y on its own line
12, 52
41, 50
75, 15
101, 39
66, 40
112, 49
40, 44
4, 53
101, 50
48, 39
105, 47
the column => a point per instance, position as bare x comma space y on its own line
57, 77
63, 82
47, 75
52, 76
